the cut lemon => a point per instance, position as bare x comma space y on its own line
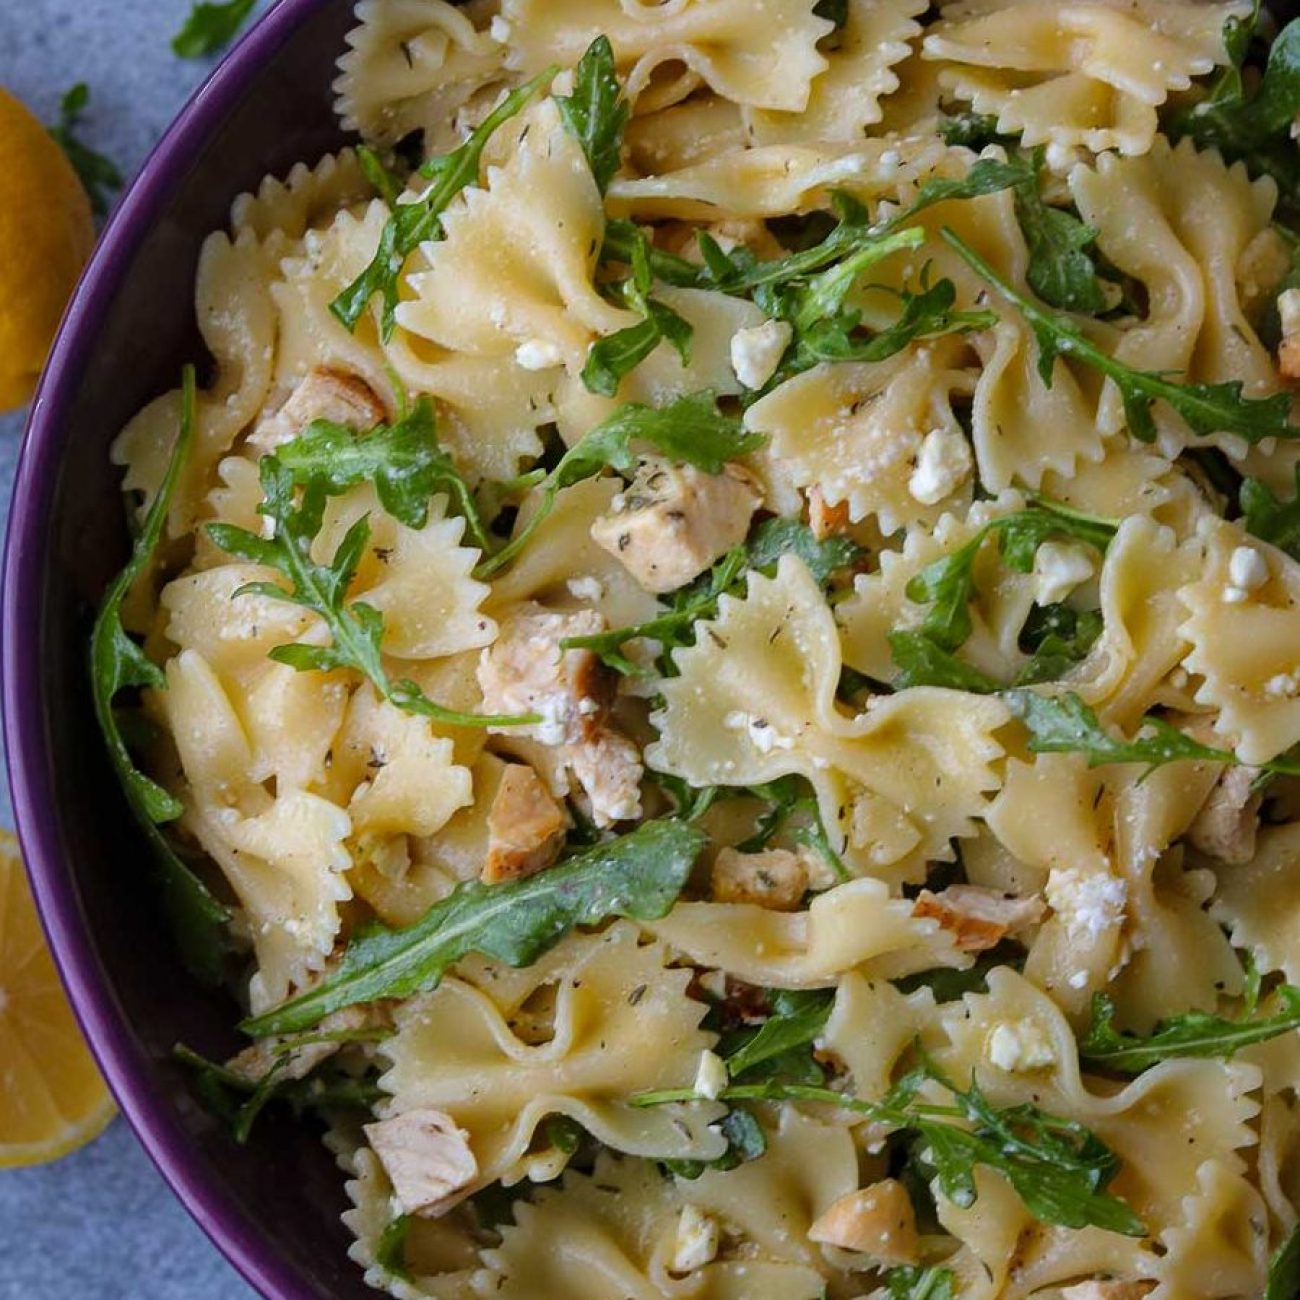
52, 1099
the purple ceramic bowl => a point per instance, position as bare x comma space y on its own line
273, 1206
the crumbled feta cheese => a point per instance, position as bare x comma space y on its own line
1288, 310
500, 30
538, 354
588, 588
1247, 569
554, 711
695, 1242
1059, 567
1020, 1046
756, 352
1283, 686
1078, 980
1234, 595
711, 1076
762, 734
1088, 902
942, 465
1060, 157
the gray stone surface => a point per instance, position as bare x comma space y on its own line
100, 1225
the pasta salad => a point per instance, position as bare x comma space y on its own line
715, 660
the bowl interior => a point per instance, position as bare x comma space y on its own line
273, 1205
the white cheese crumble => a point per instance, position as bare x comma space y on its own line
1288, 310
500, 30
538, 354
1088, 902
1284, 686
756, 352
1059, 567
553, 710
762, 734
1020, 1046
1078, 980
588, 588
942, 465
1247, 569
710, 1075
695, 1242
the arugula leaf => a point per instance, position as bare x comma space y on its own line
637, 876
1197, 1033
1270, 519
797, 1021
1058, 636
922, 662
211, 27
1060, 271
596, 114
239, 1101
1206, 408
390, 1249
986, 176
621, 237
356, 629
403, 461
1284, 1270
950, 985
691, 430
948, 584
915, 1283
1059, 1168
746, 1141
835, 10
1064, 724
791, 796
972, 130
771, 539
117, 664
417, 221
98, 174
615, 355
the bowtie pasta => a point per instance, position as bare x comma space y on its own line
717, 662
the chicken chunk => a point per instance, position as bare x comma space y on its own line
1227, 824
978, 918
324, 394
427, 1159
776, 878
1109, 1290
878, 1221
825, 520
526, 827
675, 520
527, 671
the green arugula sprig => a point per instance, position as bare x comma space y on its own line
1197, 1033
615, 355
1064, 724
419, 220
746, 1141
790, 797
622, 236
778, 1048
356, 629
403, 460
1206, 408
118, 664
597, 114
638, 876
99, 176
1269, 518
240, 1101
915, 1283
211, 27
690, 430
698, 601
1284, 1270
948, 585
1059, 1168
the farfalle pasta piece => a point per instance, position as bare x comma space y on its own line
1245, 644
879, 604
853, 925
1143, 635
774, 659
418, 579
621, 1023
614, 1232
1089, 73
286, 209
845, 99
854, 431
1178, 220
768, 64
518, 258
871, 1027
1259, 902
412, 65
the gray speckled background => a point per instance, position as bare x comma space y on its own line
100, 1225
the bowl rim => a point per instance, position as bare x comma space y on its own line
126, 1068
